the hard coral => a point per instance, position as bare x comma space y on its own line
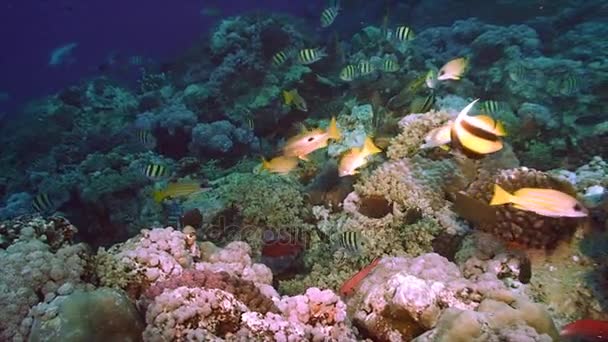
521, 226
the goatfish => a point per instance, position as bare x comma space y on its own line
281, 164
309, 141
177, 189
356, 157
329, 15
453, 70
348, 73
292, 97
155, 171
476, 136
404, 33
42, 203
309, 56
544, 202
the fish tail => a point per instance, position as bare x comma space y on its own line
333, 132
369, 147
158, 196
265, 164
288, 96
501, 196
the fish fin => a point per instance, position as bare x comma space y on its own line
369, 147
465, 111
501, 196
304, 158
265, 164
288, 96
445, 147
333, 132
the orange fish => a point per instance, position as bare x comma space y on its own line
281, 164
453, 70
356, 157
586, 329
475, 136
307, 142
349, 286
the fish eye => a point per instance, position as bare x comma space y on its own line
577, 207
311, 139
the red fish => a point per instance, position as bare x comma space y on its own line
349, 286
279, 249
588, 329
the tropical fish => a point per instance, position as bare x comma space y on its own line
586, 329
475, 136
431, 79
349, 286
492, 107
352, 241
279, 58
155, 171
307, 142
544, 202
365, 68
329, 15
280, 164
177, 189
519, 73
309, 56
348, 73
569, 85
453, 70
438, 137
145, 138
356, 157
404, 33
42, 203
390, 65
422, 104
293, 97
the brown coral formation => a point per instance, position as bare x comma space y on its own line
56, 231
243, 290
520, 226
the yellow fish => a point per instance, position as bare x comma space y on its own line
476, 136
544, 202
293, 97
177, 189
307, 142
281, 164
356, 157
453, 70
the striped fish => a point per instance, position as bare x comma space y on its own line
492, 107
352, 241
328, 16
155, 171
365, 68
309, 56
42, 203
348, 73
145, 138
519, 73
279, 58
404, 33
390, 65
476, 136
569, 85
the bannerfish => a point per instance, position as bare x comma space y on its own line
476, 136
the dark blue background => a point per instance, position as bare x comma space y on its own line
160, 29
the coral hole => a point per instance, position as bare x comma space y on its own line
374, 206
